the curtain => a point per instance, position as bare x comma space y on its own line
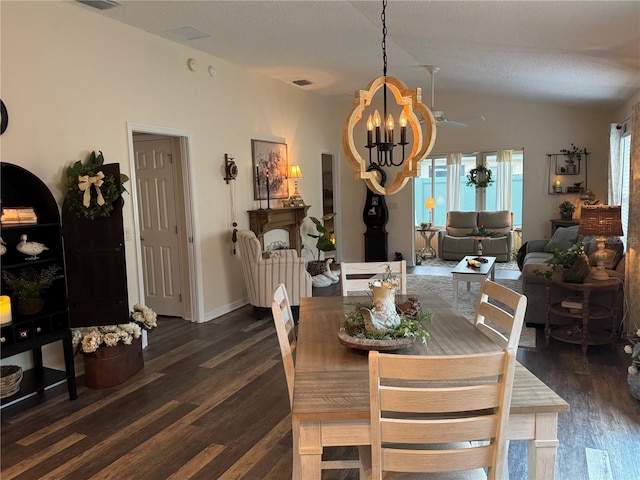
615, 165
503, 180
454, 162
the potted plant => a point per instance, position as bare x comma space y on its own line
29, 285
324, 243
573, 154
570, 265
566, 210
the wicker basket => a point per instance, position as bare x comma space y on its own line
10, 381
316, 267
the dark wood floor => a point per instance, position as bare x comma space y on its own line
211, 403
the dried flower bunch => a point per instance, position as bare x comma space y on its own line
634, 351
387, 280
89, 339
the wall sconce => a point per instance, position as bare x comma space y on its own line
556, 187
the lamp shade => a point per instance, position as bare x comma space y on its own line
295, 172
430, 203
600, 221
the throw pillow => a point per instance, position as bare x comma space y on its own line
563, 238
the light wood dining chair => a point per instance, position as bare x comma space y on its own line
287, 338
504, 325
442, 417
356, 276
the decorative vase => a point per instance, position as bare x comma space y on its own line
634, 385
29, 306
111, 366
566, 216
385, 294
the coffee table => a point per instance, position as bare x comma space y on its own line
462, 272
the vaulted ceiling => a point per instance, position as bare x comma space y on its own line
584, 53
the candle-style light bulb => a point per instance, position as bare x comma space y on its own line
390, 126
403, 128
557, 183
369, 132
377, 122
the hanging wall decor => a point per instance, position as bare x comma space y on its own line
270, 166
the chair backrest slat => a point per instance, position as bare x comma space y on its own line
500, 313
285, 328
356, 276
425, 411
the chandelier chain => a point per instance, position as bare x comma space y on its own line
384, 37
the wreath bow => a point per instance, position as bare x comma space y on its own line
84, 184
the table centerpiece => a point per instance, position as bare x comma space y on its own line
382, 325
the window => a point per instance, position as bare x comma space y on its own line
432, 183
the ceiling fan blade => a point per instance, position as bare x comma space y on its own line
451, 123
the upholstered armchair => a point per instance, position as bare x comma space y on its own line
455, 242
262, 275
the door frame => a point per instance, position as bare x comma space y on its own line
337, 204
194, 303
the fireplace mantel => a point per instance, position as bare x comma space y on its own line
265, 219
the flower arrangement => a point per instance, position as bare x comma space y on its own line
634, 351
387, 280
573, 259
89, 339
479, 177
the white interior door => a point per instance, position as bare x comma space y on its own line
158, 225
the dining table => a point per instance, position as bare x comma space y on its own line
331, 390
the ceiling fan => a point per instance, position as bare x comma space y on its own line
439, 116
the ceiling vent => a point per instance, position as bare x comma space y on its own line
302, 83
186, 33
100, 4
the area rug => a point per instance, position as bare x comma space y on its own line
443, 287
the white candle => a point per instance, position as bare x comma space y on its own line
5, 309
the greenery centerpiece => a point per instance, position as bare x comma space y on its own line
382, 320
574, 154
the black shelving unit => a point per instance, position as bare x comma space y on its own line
29, 333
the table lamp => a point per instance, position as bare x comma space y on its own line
600, 221
430, 204
295, 173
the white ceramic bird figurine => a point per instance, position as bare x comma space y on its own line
3, 248
30, 248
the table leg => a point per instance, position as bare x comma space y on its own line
584, 333
309, 450
455, 289
543, 448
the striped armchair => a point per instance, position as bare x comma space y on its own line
262, 275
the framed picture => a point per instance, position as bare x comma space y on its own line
270, 169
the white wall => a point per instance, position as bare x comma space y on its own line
72, 80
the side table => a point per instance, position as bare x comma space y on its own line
580, 333
427, 241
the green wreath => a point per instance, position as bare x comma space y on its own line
101, 198
485, 174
